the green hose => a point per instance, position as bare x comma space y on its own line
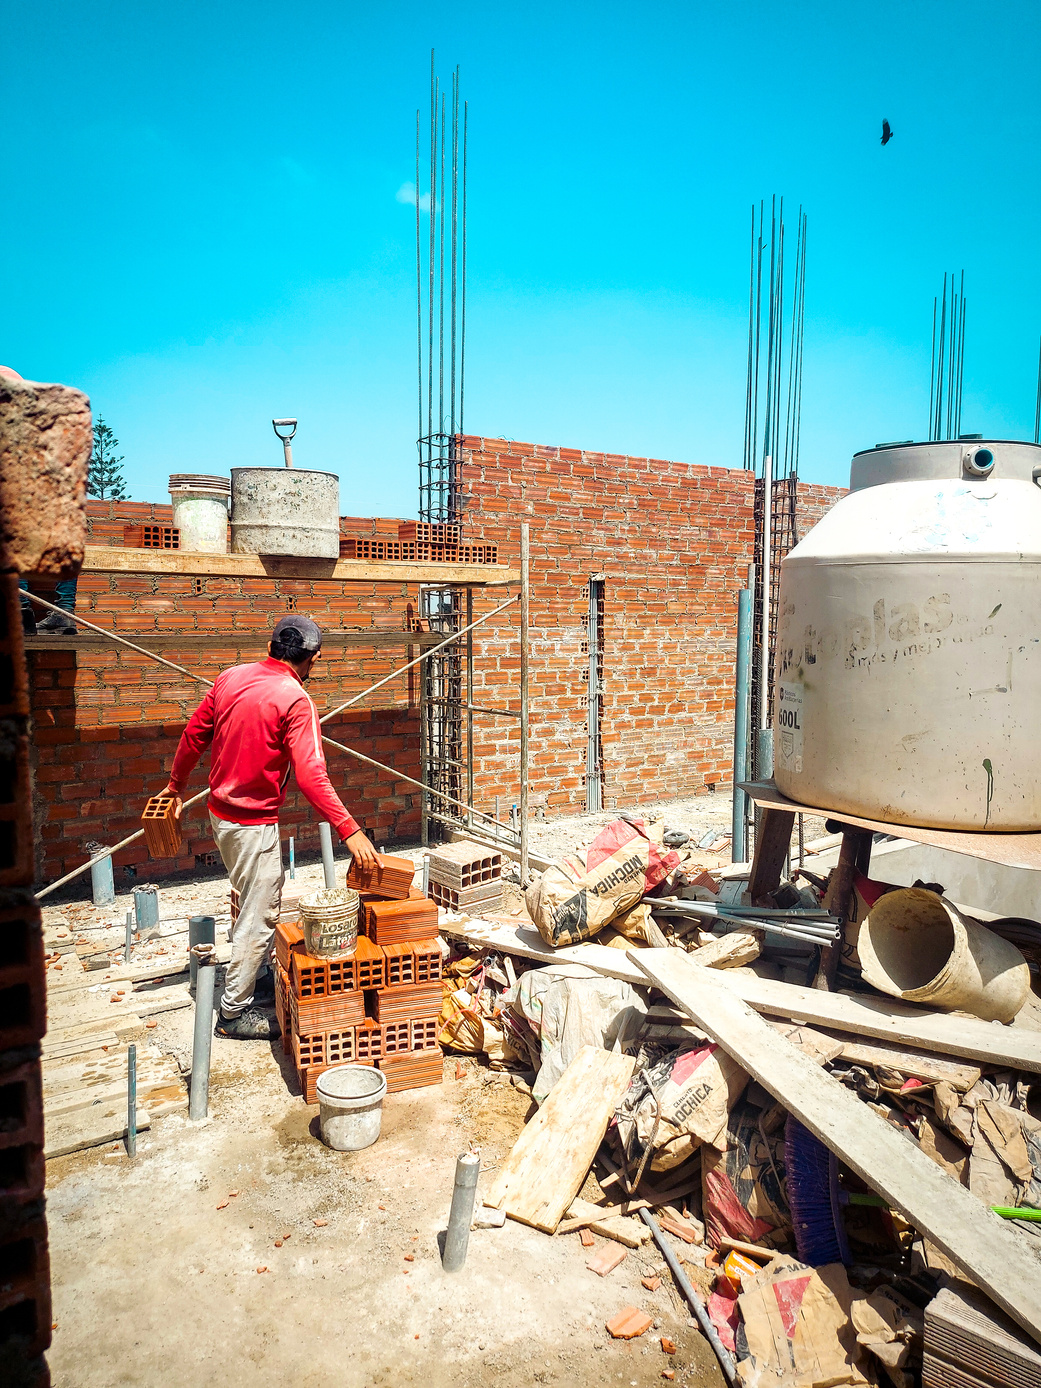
1005, 1211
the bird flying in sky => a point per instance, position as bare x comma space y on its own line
887, 132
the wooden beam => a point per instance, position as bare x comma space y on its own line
997, 1258
864, 1014
772, 842
1014, 850
195, 641
105, 559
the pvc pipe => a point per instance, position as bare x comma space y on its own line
325, 833
202, 930
146, 907
292, 860
199, 1098
464, 1193
102, 883
726, 1361
425, 878
742, 710
130, 937
131, 1099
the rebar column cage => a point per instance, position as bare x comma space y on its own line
784, 536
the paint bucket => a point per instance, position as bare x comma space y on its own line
351, 1100
329, 920
918, 946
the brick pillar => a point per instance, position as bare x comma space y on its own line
45, 442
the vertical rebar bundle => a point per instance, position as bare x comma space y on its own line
441, 341
441, 297
947, 361
772, 433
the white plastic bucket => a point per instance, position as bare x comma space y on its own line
351, 1099
918, 946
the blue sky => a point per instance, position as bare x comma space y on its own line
202, 227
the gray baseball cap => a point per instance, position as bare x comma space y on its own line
298, 633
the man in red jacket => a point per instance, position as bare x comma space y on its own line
260, 722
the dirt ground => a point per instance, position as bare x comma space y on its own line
166, 1271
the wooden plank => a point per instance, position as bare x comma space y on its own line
71, 1132
772, 842
552, 1156
994, 1256
89, 1027
376, 638
862, 1013
608, 1223
1014, 850
172, 969
105, 1070
918, 1064
106, 559
78, 1046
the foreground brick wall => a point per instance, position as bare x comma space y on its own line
672, 542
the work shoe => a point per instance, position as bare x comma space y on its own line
251, 1025
57, 624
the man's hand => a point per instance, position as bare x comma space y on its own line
362, 851
178, 802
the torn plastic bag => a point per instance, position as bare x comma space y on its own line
569, 1006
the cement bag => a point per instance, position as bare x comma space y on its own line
569, 1006
695, 1091
742, 1190
571, 901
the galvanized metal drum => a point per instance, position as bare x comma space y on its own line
908, 661
285, 511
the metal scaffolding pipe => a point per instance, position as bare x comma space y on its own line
325, 836
524, 595
742, 710
199, 1098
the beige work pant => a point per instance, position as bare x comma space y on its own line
252, 853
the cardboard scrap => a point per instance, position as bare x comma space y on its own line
799, 1329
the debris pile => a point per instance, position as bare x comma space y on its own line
827, 1174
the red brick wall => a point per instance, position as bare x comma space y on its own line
107, 721
672, 542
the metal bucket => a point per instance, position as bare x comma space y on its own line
284, 510
329, 920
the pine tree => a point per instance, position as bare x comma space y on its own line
105, 475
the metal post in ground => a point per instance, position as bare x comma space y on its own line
292, 860
202, 930
131, 1100
325, 834
199, 1096
102, 883
742, 709
524, 708
129, 937
464, 1192
146, 908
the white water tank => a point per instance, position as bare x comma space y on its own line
908, 662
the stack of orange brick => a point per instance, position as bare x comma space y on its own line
380, 1007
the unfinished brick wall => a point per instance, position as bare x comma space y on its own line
672, 543
108, 720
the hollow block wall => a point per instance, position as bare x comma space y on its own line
672, 543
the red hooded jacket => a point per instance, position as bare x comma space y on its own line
260, 721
